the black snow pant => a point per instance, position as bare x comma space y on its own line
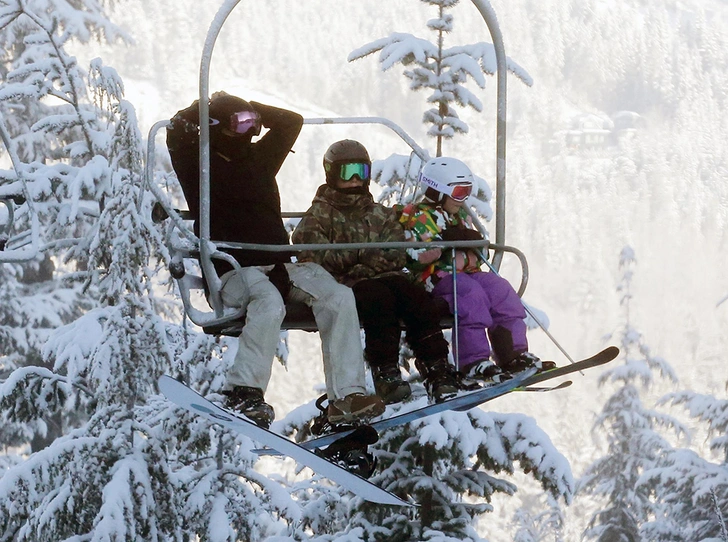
382, 302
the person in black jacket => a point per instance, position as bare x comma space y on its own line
245, 208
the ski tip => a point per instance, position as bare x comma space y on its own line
561, 386
611, 351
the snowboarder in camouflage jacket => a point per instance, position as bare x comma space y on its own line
344, 211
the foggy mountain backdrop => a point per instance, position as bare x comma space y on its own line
584, 178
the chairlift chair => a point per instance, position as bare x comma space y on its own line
185, 246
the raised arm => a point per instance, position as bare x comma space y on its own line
283, 129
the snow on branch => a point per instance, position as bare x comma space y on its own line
31, 393
398, 47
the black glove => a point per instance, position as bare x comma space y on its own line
183, 129
190, 114
278, 276
460, 234
186, 121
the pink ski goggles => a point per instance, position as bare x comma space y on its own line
457, 190
245, 122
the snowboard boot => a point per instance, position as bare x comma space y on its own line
389, 385
442, 381
250, 403
487, 372
526, 360
321, 425
354, 407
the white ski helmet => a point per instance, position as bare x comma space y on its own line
446, 177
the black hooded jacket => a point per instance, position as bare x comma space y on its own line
245, 204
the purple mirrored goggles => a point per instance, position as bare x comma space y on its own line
245, 122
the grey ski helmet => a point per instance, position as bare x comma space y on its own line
446, 177
345, 159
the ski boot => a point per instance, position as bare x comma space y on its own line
442, 381
526, 360
487, 372
250, 403
389, 385
509, 360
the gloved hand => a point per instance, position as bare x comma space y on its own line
460, 234
218, 94
430, 255
183, 129
467, 261
189, 114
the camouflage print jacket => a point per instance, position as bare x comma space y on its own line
336, 217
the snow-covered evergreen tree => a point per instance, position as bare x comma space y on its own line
682, 495
444, 72
635, 443
132, 469
441, 70
546, 525
451, 464
55, 137
694, 489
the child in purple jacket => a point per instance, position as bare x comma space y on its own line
485, 301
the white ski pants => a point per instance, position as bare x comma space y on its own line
334, 309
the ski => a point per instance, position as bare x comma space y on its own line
605, 356
465, 402
540, 389
187, 398
560, 386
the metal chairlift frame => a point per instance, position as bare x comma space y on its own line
206, 249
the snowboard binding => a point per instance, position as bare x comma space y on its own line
350, 452
321, 425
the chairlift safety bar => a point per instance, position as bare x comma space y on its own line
203, 319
